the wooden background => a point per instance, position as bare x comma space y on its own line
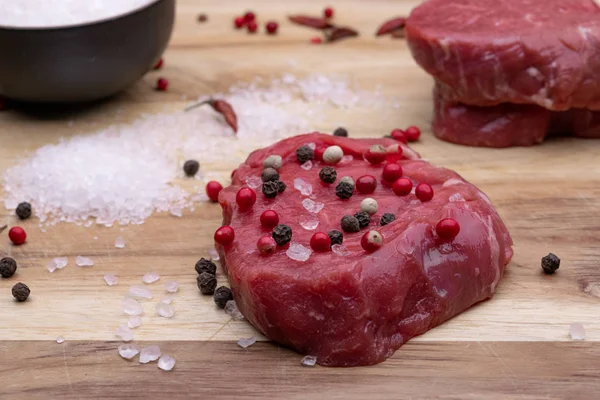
515, 346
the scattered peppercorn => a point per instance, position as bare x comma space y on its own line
23, 210
350, 224
213, 188
336, 237
369, 205
270, 189
363, 219
347, 179
328, 12
282, 186
269, 219
371, 241
282, 234
225, 235
550, 263
202, 18
191, 167
304, 154
387, 218
424, 192
340, 132
239, 22
204, 265
245, 198
316, 40
206, 283
20, 291
249, 16
269, 174
271, 27
162, 84
8, 267
328, 174
17, 235
273, 161
222, 296
344, 190
252, 26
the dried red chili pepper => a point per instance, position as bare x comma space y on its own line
390, 26
311, 22
340, 33
223, 108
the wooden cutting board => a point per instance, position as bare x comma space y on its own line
515, 346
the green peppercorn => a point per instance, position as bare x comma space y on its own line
204, 265
222, 296
328, 174
350, 224
304, 154
387, 218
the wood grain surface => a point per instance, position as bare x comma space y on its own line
515, 346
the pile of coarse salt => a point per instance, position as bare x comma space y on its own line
125, 173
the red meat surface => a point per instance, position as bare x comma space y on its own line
357, 308
489, 52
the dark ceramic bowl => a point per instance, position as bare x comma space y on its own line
84, 62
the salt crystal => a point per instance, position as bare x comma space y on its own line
298, 252
171, 286
139, 291
124, 333
166, 363
456, 197
150, 277
345, 160
304, 187
57, 263
60, 339
232, 310
176, 211
307, 166
148, 354
134, 321
340, 250
308, 361
110, 279
254, 181
120, 242
167, 299
95, 237
312, 206
132, 307
244, 343
577, 332
213, 254
51, 266
312, 145
81, 261
164, 310
309, 222
128, 351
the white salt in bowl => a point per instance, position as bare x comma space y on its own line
86, 61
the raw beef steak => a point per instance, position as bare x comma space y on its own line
489, 52
348, 307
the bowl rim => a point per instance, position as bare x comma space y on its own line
82, 24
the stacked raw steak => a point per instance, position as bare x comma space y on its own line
509, 73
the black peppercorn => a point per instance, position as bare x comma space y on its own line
269, 174
270, 189
363, 219
20, 291
328, 174
191, 167
350, 224
340, 132
222, 296
8, 267
207, 283
282, 234
282, 186
387, 218
550, 263
304, 154
204, 265
344, 190
23, 210
336, 237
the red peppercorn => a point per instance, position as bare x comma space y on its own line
266, 244
366, 184
447, 228
252, 26
224, 235
159, 64
399, 135
272, 27
371, 241
316, 40
413, 133
402, 187
328, 12
320, 242
424, 192
376, 154
269, 219
239, 22
17, 235
392, 172
245, 198
162, 84
213, 188
249, 16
